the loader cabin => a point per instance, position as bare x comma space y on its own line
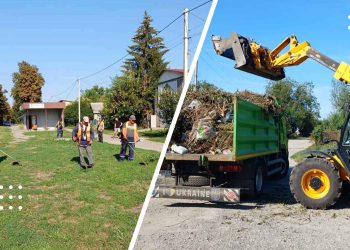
43, 115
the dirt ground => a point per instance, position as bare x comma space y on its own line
274, 221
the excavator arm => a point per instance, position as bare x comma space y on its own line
259, 60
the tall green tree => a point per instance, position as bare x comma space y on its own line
340, 94
124, 98
5, 109
95, 94
298, 102
144, 67
28, 83
168, 100
71, 112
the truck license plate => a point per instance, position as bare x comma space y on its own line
227, 195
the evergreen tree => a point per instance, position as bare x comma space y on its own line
27, 86
5, 109
145, 66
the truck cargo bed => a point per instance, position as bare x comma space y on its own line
255, 133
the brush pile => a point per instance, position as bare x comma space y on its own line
205, 123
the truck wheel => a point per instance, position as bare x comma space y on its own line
284, 171
315, 183
257, 183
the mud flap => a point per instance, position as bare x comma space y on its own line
225, 195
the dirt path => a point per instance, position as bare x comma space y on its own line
18, 134
274, 221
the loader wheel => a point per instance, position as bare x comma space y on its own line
315, 183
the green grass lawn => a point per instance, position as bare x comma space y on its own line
65, 207
157, 135
300, 156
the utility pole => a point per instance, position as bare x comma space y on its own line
196, 75
79, 99
186, 38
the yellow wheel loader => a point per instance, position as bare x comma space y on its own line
316, 182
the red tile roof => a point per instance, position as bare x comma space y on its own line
175, 70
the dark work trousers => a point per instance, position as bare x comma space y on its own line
59, 133
100, 136
88, 151
129, 143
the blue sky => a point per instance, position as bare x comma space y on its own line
323, 23
69, 39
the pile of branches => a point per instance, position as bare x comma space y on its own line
209, 106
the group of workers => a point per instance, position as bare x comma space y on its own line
83, 135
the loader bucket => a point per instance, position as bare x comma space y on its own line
238, 48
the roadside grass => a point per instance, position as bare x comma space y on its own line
300, 156
65, 207
5, 136
157, 135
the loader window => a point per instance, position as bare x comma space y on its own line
346, 138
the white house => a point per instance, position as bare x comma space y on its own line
170, 79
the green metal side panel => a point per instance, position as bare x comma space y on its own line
255, 131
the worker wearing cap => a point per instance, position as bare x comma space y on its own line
129, 137
100, 128
83, 135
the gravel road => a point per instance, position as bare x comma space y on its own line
274, 221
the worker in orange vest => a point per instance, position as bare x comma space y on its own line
83, 135
129, 137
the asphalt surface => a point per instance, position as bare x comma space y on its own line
274, 221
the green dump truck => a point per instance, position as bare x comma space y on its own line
259, 151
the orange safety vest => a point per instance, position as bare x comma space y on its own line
127, 126
87, 133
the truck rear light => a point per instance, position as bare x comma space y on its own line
230, 168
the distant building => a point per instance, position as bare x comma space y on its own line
171, 79
97, 108
66, 102
43, 115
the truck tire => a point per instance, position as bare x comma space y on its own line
315, 183
285, 169
195, 181
256, 185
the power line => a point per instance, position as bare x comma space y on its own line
164, 28
101, 70
67, 89
198, 17
198, 6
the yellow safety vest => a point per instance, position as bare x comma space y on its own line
127, 126
87, 133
